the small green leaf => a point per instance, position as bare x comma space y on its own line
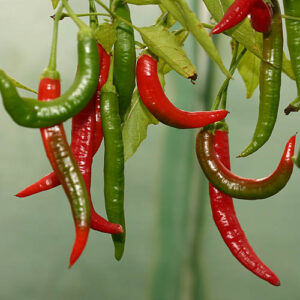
174, 10
249, 69
105, 35
165, 45
142, 2
54, 3
20, 85
136, 122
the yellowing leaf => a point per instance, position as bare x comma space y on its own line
165, 45
105, 35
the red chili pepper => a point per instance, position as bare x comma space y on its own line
87, 136
261, 16
66, 170
227, 222
154, 98
104, 70
235, 14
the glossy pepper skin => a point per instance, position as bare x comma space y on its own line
83, 148
235, 14
269, 83
240, 187
66, 170
113, 163
155, 100
261, 16
227, 222
31, 113
292, 8
124, 56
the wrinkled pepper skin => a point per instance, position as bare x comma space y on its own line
32, 113
227, 222
67, 171
155, 100
240, 187
261, 16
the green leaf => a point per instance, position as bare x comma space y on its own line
54, 3
165, 45
142, 2
105, 35
136, 122
200, 34
249, 69
243, 33
174, 10
20, 85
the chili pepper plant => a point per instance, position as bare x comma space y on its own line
118, 91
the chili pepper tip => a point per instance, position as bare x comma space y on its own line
79, 244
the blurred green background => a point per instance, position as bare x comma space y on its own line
173, 250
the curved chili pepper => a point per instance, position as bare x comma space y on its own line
292, 8
124, 56
261, 16
83, 147
113, 162
269, 83
234, 15
240, 187
66, 170
227, 222
154, 98
31, 113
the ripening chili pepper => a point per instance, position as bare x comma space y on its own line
124, 56
292, 8
82, 146
155, 100
234, 15
227, 222
269, 83
32, 113
66, 170
240, 187
261, 16
113, 162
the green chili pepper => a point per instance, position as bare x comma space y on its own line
269, 83
292, 8
113, 162
124, 56
32, 113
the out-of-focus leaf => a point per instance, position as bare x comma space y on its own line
136, 122
21, 86
54, 3
165, 45
249, 69
142, 2
105, 35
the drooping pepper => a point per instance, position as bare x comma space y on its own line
236, 186
155, 100
124, 56
32, 113
235, 14
261, 16
113, 162
269, 83
227, 222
